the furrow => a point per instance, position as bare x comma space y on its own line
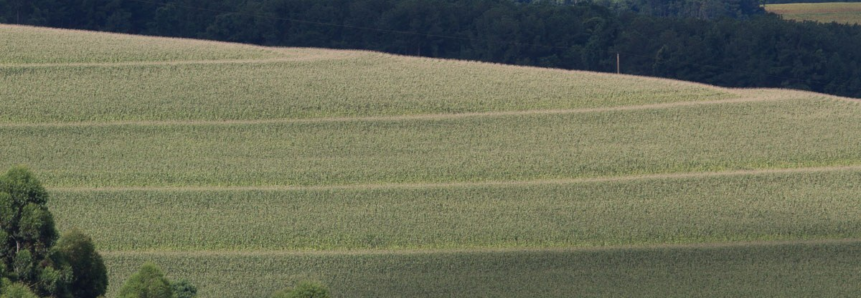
471, 184
175, 62
483, 250
430, 117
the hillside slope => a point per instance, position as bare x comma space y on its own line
244, 168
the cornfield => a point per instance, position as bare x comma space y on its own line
246, 168
751, 270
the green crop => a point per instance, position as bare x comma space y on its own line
328, 86
750, 270
782, 206
30, 45
757, 135
245, 169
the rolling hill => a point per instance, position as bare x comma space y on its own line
245, 168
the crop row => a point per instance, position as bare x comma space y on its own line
650, 211
364, 85
782, 134
26, 45
787, 270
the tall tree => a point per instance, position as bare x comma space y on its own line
90, 276
27, 234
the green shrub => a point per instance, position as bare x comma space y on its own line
89, 273
18, 290
149, 282
304, 290
183, 289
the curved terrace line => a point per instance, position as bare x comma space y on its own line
426, 117
311, 57
275, 253
689, 175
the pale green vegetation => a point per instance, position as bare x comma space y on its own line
312, 84
148, 282
368, 85
243, 169
787, 270
785, 206
840, 12
715, 137
28, 45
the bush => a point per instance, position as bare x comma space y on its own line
17, 290
149, 282
304, 290
90, 277
183, 289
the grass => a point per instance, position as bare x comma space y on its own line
247, 168
782, 270
840, 12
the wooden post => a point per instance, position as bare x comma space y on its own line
617, 64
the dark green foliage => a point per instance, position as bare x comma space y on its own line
698, 9
25, 220
18, 290
55, 282
90, 275
149, 282
739, 47
805, 1
183, 289
28, 233
304, 290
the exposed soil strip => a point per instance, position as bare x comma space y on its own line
689, 175
427, 117
275, 253
309, 57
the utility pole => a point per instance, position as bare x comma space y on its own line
618, 68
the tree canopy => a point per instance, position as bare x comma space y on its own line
90, 277
27, 232
305, 289
148, 282
32, 265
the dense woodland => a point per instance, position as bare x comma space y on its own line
807, 1
699, 9
722, 42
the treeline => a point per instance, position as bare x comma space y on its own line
754, 51
806, 1
697, 9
